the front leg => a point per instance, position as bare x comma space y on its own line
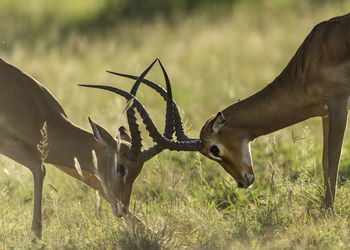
337, 118
38, 175
21, 153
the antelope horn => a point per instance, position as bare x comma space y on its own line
169, 115
136, 144
169, 120
161, 141
179, 130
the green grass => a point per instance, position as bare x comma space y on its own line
188, 200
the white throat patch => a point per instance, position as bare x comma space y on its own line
247, 156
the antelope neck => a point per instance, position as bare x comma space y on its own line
75, 142
278, 105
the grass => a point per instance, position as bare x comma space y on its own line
188, 201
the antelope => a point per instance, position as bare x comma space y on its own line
315, 83
25, 105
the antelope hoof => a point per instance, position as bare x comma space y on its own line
37, 231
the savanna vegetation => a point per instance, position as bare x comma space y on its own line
215, 54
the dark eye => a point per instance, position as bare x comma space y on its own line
215, 150
121, 169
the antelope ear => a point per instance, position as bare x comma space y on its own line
124, 134
217, 122
100, 134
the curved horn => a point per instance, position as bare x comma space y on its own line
169, 120
161, 141
136, 144
179, 130
169, 115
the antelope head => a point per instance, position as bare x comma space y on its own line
112, 168
229, 147
219, 142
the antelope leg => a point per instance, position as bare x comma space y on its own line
20, 152
325, 126
337, 111
38, 174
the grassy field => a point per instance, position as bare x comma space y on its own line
189, 202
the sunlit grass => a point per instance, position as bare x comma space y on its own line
186, 199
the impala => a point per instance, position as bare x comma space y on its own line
25, 105
316, 82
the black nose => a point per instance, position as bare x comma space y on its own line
240, 185
121, 169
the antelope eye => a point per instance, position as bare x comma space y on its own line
121, 169
215, 150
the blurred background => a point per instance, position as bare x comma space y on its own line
215, 52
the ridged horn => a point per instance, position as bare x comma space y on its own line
169, 121
179, 130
